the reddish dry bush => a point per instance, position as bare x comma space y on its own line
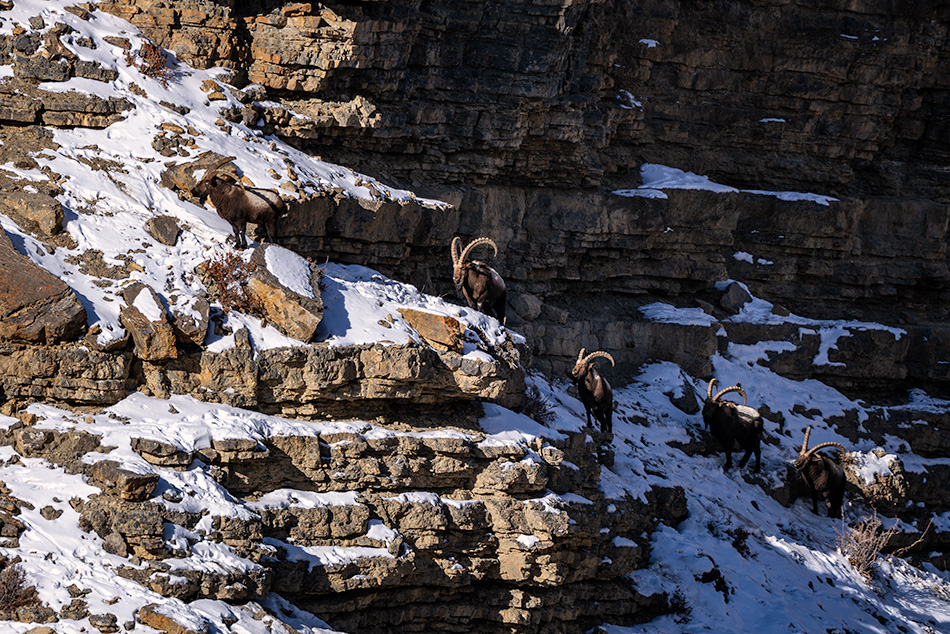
151, 61
226, 278
14, 590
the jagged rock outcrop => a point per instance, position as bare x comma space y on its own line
147, 321
525, 116
309, 382
35, 306
295, 314
373, 529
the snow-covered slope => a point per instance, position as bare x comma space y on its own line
740, 563
107, 208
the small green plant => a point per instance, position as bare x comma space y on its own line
150, 60
862, 543
226, 278
15, 592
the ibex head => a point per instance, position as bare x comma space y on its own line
460, 256
583, 363
715, 399
212, 177
806, 454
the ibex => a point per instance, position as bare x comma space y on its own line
730, 423
239, 204
821, 475
594, 389
482, 287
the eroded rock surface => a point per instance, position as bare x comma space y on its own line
35, 306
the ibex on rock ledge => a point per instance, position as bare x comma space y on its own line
594, 389
239, 204
482, 287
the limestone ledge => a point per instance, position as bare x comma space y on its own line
305, 381
474, 529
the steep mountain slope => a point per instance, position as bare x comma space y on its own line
179, 464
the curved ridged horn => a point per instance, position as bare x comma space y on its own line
477, 242
742, 392
456, 251
580, 355
734, 388
709, 389
805, 456
594, 355
801, 452
215, 167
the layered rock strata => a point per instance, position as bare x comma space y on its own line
426, 532
570, 93
526, 115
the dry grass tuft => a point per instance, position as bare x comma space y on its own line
862, 544
14, 590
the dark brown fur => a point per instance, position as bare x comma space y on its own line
728, 427
483, 288
821, 477
239, 205
595, 393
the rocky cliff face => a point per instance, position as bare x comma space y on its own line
526, 116
565, 93
447, 531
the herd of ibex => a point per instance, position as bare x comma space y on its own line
484, 290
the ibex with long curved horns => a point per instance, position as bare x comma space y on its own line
481, 285
822, 476
594, 389
239, 204
730, 423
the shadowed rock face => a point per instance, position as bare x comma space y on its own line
526, 115
35, 306
789, 95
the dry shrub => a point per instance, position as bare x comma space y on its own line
151, 61
537, 407
226, 278
862, 544
14, 590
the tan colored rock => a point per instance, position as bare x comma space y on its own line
35, 306
230, 450
165, 229
16, 107
441, 332
191, 319
146, 320
68, 373
512, 477
76, 109
153, 616
128, 485
161, 453
295, 315
35, 212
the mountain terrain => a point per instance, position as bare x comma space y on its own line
317, 434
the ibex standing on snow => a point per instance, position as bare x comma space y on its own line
822, 476
730, 423
482, 287
594, 389
239, 204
